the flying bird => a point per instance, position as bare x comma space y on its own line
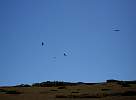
42, 43
65, 54
116, 30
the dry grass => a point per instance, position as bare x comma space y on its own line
108, 91
80, 96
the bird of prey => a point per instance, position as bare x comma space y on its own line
65, 54
42, 43
116, 30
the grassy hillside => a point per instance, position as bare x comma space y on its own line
109, 90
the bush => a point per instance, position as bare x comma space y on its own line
61, 87
12, 92
112, 81
36, 85
129, 93
125, 84
105, 89
2, 90
9, 91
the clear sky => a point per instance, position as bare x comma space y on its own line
83, 29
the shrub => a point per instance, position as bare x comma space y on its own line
36, 85
105, 89
125, 84
2, 90
12, 92
129, 93
61, 87
53, 90
9, 91
112, 81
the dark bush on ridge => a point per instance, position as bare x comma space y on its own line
124, 84
129, 93
49, 84
36, 85
112, 81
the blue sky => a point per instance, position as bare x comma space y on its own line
83, 29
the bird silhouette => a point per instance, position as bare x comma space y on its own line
116, 30
65, 54
42, 43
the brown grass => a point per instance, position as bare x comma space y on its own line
109, 91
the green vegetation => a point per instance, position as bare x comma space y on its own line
9, 91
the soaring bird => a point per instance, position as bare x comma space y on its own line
116, 30
42, 43
65, 54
